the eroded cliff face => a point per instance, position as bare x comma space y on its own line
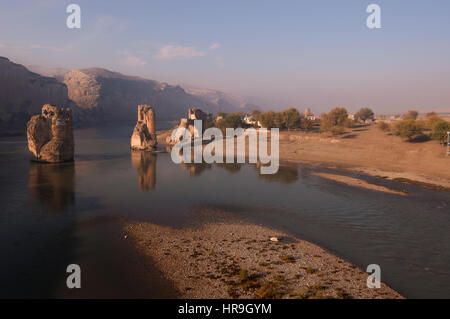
22, 94
95, 95
115, 96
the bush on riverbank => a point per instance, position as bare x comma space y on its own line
408, 128
439, 131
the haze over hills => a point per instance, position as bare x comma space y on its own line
116, 96
97, 94
221, 99
23, 93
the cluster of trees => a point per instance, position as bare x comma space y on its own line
288, 119
410, 127
335, 121
230, 120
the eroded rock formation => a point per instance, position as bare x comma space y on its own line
188, 124
144, 134
50, 136
197, 114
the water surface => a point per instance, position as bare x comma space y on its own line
54, 215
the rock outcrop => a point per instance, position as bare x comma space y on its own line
197, 114
50, 135
144, 135
188, 124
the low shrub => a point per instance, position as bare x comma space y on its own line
439, 131
385, 127
409, 129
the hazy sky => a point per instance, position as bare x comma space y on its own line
311, 53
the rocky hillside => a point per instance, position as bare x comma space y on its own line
23, 93
97, 95
115, 96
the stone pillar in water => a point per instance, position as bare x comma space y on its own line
50, 135
144, 134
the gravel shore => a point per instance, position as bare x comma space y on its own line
239, 260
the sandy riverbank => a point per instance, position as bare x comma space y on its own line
369, 151
238, 260
358, 183
372, 152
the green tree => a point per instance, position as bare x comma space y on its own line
335, 121
278, 121
306, 124
291, 118
267, 119
232, 120
364, 114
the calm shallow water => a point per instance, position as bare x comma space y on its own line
54, 215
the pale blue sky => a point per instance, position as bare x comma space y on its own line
317, 53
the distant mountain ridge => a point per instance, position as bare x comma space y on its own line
222, 100
117, 96
97, 94
23, 93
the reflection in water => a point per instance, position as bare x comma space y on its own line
285, 175
195, 169
53, 185
145, 165
362, 226
232, 168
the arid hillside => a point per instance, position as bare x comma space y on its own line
23, 93
116, 96
95, 94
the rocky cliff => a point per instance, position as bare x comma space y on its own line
96, 95
22, 94
115, 96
